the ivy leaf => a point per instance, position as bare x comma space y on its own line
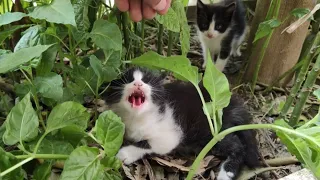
83, 163
169, 20
109, 131
22, 123
30, 38
7, 32
68, 114
106, 35
265, 28
299, 12
43, 171
7, 160
13, 60
59, 11
9, 17
49, 86
180, 65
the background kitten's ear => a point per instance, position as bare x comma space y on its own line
231, 7
200, 4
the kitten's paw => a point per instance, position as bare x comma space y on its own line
127, 155
238, 52
221, 64
224, 175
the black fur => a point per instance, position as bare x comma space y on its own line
240, 148
227, 13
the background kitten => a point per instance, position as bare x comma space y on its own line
221, 29
167, 118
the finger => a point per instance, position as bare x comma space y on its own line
165, 10
148, 12
157, 5
123, 5
135, 10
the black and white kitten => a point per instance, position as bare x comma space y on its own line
221, 29
165, 118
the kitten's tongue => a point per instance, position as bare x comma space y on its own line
136, 101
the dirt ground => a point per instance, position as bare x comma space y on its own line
277, 162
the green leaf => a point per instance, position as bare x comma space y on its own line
299, 12
104, 73
83, 77
30, 38
52, 146
5, 6
180, 65
68, 114
7, 160
49, 86
111, 162
109, 131
83, 163
59, 11
317, 93
47, 61
112, 58
22, 123
106, 35
43, 171
9, 17
12, 61
7, 32
265, 28
81, 14
169, 20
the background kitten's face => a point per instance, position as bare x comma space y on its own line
214, 20
135, 91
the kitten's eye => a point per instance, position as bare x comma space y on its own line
219, 26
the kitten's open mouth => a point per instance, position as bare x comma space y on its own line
137, 98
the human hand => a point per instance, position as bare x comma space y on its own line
143, 8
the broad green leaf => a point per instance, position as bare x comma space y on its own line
112, 58
106, 35
43, 171
265, 28
299, 12
83, 78
317, 93
49, 86
7, 160
47, 61
5, 6
30, 38
169, 20
109, 131
24, 88
2, 131
22, 123
12, 61
111, 162
71, 135
178, 7
83, 163
9, 17
68, 114
59, 11
112, 175
52, 146
180, 65
81, 14
104, 73
7, 32
4, 51
185, 2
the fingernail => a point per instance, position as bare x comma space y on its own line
161, 5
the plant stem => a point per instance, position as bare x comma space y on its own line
160, 40
38, 143
224, 133
170, 43
305, 92
301, 76
15, 166
125, 30
142, 37
275, 8
44, 156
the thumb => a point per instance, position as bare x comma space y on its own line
158, 5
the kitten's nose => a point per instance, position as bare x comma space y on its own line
210, 35
137, 84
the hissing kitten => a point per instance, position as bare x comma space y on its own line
221, 29
166, 118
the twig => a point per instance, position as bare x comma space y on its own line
283, 161
149, 169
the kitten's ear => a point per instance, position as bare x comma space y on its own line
231, 8
200, 4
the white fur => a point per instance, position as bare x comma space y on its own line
214, 45
146, 123
223, 174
